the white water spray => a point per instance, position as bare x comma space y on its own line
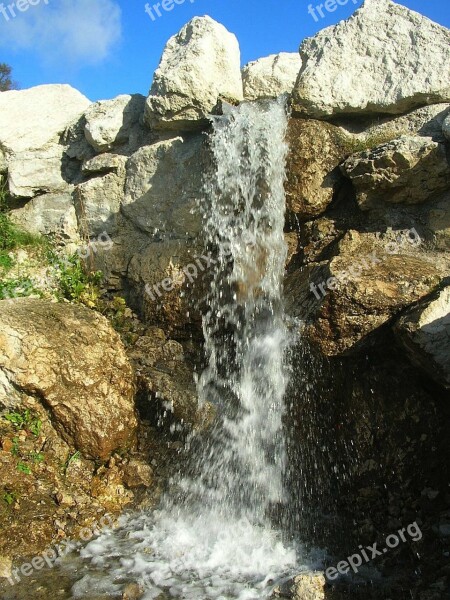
219, 541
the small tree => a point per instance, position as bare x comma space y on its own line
6, 83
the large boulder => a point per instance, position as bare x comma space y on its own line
271, 76
71, 359
315, 150
164, 183
110, 123
31, 125
381, 60
410, 170
31, 118
425, 334
371, 279
198, 66
49, 214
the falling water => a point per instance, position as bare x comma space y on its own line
216, 539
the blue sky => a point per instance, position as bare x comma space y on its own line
110, 47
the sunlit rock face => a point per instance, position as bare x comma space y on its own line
381, 60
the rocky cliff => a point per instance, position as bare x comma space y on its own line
367, 278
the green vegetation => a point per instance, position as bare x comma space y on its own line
36, 457
9, 497
372, 140
23, 468
76, 283
6, 81
26, 420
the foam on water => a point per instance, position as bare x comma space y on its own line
219, 542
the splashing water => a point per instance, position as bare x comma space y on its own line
219, 542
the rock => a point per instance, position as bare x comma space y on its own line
132, 591
377, 281
104, 163
35, 172
381, 60
438, 221
49, 214
446, 127
410, 170
109, 122
199, 64
107, 487
73, 361
5, 567
424, 332
98, 200
271, 76
166, 382
31, 118
307, 586
164, 183
64, 499
315, 150
137, 473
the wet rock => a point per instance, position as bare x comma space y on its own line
446, 127
107, 487
71, 359
315, 150
307, 586
133, 591
381, 60
424, 332
137, 473
410, 170
199, 64
271, 76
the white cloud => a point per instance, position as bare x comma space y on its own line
81, 32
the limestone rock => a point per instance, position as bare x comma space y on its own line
307, 586
98, 200
104, 163
49, 214
5, 567
137, 473
410, 170
315, 150
34, 172
109, 122
424, 332
71, 359
271, 76
446, 127
381, 60
31, 118
199, 64
365, 285
438, 222
163, 184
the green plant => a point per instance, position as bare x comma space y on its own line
76, 282
25, 420
23, 468
17, 288
9, 497
15, 447
36, 457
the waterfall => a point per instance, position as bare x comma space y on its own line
217, 540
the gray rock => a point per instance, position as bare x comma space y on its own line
49, 214
409, 170
381, 60
199, 64
446, 127
163, 185
271, 76
109, 122
425, 334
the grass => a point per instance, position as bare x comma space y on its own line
9, 497
355, 145
70, 459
